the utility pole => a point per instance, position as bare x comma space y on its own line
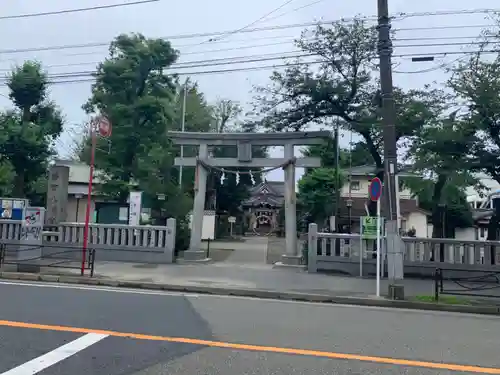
337, 176
183, 124
338, 187
394, 244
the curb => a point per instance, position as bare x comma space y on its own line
255, 293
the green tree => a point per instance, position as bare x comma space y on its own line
477, 84
133, 91
441, 153
343, 87
29, 131
356, 156
317, 191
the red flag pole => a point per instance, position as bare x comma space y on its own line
89, 197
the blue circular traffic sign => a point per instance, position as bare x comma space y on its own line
375, 189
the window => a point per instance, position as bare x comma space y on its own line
401, 185
355, 185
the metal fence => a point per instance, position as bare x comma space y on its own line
484, 284
21, 258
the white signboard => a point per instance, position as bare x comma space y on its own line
208, 226
135, 206
32, 225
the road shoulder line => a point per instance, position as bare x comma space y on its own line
57, 355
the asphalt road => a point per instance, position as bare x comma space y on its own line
49, 330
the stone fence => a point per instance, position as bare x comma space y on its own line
340, 253
112, 242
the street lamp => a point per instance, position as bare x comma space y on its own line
348, 204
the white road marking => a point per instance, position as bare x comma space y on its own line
57, 355
201, 296
95, 288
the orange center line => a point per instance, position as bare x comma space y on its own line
260, 348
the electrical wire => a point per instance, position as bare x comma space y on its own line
87, 76
252, 23
200, 63
238, 31
283, 38
84, 63
171, 37
295, 10
284, 54
252, 59
435, 68
403, 15
76, 10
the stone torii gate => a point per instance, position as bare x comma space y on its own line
244, 143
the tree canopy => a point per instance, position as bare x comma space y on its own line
132, 90
317, 193
341, 85
28, 133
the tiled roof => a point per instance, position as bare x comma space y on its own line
274, 196
358, 207
371, 170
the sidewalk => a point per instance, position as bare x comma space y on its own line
254, 280
252, 276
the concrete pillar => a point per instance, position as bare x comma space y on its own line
170, 240
195, 251
291, 255
312, 248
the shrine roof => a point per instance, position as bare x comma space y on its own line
276, 188
267, 192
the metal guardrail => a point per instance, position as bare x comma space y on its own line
476, 285
65, 258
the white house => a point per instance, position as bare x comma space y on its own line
479, 201
354, 197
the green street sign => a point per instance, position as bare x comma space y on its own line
369, 227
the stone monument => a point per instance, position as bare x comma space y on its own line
244, 143
57, 194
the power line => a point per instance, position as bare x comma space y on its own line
86, 78
486, 52
282, 55
471, 43
254, 22
244, 60
171, 37
451, 27
284, 40
76, 10
433, 69
242, 30
403, 15
200, 63
295, 10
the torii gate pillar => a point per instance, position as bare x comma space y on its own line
244, 142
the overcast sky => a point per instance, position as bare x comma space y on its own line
169, 18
